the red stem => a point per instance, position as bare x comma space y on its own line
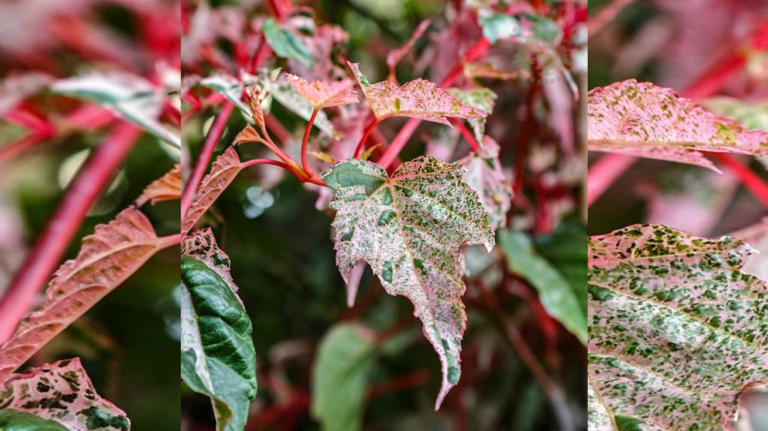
467, 135
201, 165
367, 132
168, 241
53, 241
604, 172
253, 162
9, 151
753, 182
273, 124
304, 143
606, 15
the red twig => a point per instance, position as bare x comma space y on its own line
273, 124
253, 162
467, 135
168, 241
606, 14
201, 165
604, 172
361, 144
49, 248
529, 129
304, 143
9, 151
753, 182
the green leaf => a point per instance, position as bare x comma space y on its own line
286, 44
14, 420
60, 392
566, 250
498, 26
339, 376
217, 354
555, 292
131, 97
677, 330
410, 228
229, 87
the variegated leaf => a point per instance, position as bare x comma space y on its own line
419, 99
63, 393
321, 94
482, 99
485, 176
641, 119
410, 228
223, 171
285, 93
166, 188
108, 257
676, 329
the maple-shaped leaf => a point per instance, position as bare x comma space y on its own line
641, 119
217, 354
481, 98
394, 56
61, 392
165, 188
485, 176
410, 228
419, 99
106, 258
676, 330
223, 171
322, 94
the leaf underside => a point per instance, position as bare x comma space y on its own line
217, 354
644, 120
60, 392
165, 188
409, 228
676, 330
224, 170
108, 257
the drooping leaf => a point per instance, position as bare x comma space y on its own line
106, 258
321, 94
60, 393
15, 420
166, 188
223, 171
285, 93
131, 97
677, 330
394, 56
555, 292
229, 87
217, 354
485, 176
286, 44
641, 119
340, 376
419, 99
409, 228
481, 98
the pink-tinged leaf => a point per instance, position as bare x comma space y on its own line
409, 228
485, 176
63, 393
396, 55
108, 257
223, 171
419, 99
321, 94
255, 102
487, 70
166, 188
677, 329
641, 119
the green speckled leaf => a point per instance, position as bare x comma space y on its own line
15, 420
410, 228
482, 99
676, 330
339, 377
641, 119
556, 294
485, 176
63, 393
217, 354
286, 44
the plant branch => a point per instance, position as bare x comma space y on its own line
295, 173
467, 135
361, 144
168, 241
9, 151
606, 15
304, 143
58, 233
604, 172
201, 165
751, 181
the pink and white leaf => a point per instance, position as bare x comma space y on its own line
322, 94
677, 329
485, 176
419, 99
63, 392
641, 119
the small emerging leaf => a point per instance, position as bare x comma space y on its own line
257, 114
108, 257
62, 393
641, 119
676, 329
321, 94
409, 228
339, 377
166, 188
419, 99
367, 153
223, 171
